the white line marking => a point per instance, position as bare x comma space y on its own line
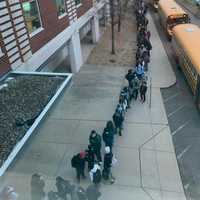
180, 127
171, 97
179, 156
179, 108
186, 186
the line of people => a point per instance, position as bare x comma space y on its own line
64, 188
137, 84
92, 155
97, 167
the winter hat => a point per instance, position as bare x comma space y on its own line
107, 149
93, 133
82, 154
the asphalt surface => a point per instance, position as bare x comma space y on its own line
184, 122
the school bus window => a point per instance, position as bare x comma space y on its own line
173, 20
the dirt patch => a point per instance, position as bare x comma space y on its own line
125, 42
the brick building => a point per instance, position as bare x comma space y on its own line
32, 31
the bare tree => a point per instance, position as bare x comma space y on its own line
117, 10
112, 14
119, 14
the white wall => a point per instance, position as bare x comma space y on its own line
56, 59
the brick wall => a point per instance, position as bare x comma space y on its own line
51, 24
4, 63
86, 5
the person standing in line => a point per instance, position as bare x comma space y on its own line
37, 187
118, 119
140, 70
107, 174
129, 76
77, 193
148, 45
63, 187
90, 157
148, 35
81, 193
136, 87
78, 162
146, 59
95, 142
93, 192
110, 127
125, 96
95, 174
143, 90
108, 137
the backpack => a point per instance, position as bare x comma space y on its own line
74, 161
98, 140
97, 176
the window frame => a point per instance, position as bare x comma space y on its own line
63, 14
41, 28
78, 5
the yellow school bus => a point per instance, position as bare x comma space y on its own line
171, 14
186, 44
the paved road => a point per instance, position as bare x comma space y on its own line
184, 122
193, 11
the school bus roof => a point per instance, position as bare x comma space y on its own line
171, 8
188, 36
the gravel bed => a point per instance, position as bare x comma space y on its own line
22, 98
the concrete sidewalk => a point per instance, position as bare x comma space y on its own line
147, 168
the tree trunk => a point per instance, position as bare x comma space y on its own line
119, 15
112, 26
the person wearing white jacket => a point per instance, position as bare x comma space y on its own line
95, 174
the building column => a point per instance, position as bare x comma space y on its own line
95, 29
76, 59
107, 8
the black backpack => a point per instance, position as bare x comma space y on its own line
97, 176
74, 161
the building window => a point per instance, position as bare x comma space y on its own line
32, 15
60, 5
77, 2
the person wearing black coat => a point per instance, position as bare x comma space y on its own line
108, 137
95, 142
129, 76
143, 90
37, 187
118, 119
93, 192
78, 162
90, 157
147, 45
108, 156
63, 187
110, 127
